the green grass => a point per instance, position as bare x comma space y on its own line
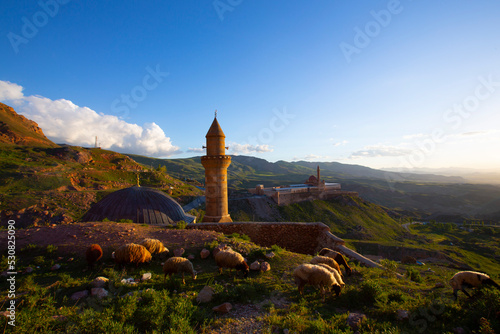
156, 307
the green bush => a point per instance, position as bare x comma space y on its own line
413, 274
181, 225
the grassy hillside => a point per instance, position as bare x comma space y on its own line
416, 195
421, 302
41, 185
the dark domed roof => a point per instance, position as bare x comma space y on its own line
140, 204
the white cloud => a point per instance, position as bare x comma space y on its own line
10, 91
64, 122
196, 150
236, 148
340, 143
379, 151
313, 157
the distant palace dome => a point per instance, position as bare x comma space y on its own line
142, 205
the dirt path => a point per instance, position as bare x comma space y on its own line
75, 238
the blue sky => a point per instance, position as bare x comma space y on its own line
382, 84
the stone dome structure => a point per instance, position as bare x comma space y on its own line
142, 205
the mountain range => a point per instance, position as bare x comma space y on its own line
31, 162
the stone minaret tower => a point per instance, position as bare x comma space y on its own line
216, 163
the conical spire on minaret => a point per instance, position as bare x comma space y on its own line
215, 129
216, 143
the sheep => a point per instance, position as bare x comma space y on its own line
469, 279
131, 253
93, 254
335, 273
230, 259
154, 246
178, 265
328, 261
315, 275
337, 257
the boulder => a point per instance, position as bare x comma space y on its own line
55, 267
270, 255
79, 295
223, 308
146, 277
205, 295
255, 266
403, 314
204, 253
354, 320
99, 282
265, 266
99, 292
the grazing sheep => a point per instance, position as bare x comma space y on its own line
178, 265
317, 276
326, 260
132, 253
93, 254
471, 279
337, 257
220, 248
230, 259
154, 246
335, 273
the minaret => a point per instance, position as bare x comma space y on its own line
216, 162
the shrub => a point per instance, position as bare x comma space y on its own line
390, 267
51, 249
180, 225
413, 274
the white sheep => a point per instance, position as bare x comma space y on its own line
230, 259
471, 279
326, 260
178, 265
335, 273
317, 276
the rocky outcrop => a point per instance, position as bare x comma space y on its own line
17, 129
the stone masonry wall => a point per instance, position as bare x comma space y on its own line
305, 238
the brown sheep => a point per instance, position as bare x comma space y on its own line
231, 259
337, 257
154, 246
328, 261
132, 253
93, 254
178, 265
317, 276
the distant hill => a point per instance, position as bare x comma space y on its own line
17, 129
422, 196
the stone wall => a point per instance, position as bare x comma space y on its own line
287, 198
305, 238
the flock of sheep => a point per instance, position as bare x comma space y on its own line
136, 254
323, 271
